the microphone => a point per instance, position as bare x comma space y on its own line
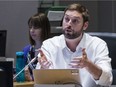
27, 65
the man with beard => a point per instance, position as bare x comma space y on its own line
77, 49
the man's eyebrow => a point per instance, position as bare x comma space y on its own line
73, 16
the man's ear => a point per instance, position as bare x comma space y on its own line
85, 26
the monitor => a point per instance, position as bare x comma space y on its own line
6, 74
2, 42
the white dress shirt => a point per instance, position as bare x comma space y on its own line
60, 55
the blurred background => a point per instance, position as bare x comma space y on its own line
14, 15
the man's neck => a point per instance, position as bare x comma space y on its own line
73, 43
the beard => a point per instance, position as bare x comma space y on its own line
71, 34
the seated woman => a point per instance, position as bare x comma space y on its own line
39, 30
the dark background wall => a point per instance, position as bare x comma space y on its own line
14, 16
102, 14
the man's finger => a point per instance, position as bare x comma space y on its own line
41, 53
84, 53
43, 57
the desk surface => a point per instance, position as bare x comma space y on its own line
23, 84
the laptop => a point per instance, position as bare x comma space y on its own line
56, 76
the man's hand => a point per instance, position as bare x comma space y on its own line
45, 64
84, 62
79, 62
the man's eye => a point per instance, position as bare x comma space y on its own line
74, 21
66, 19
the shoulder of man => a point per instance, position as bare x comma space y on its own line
55, 38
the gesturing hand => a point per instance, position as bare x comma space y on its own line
43, 61
79, 62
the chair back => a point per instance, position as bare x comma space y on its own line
110, 39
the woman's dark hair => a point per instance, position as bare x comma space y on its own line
40, 20
79, 8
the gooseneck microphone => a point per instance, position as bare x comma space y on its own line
35, 58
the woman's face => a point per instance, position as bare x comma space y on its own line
35, 33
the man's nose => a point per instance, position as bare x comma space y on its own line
69, 22
69, 26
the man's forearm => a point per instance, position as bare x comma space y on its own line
94, 70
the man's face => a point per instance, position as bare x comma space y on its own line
72, 24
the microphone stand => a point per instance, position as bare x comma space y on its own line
25, 67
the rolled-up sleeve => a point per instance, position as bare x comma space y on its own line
105, 78
104, 62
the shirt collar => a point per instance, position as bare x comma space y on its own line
82, 42
80, 45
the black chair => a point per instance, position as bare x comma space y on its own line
114, 76
110, 39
